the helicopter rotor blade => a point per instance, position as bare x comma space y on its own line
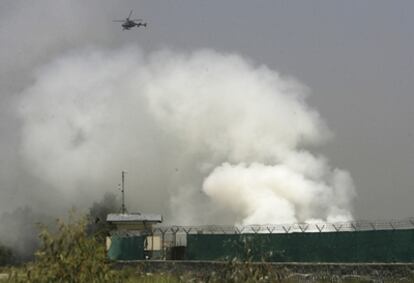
118, 21
137, 20
130, 13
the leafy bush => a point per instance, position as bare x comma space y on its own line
68, 256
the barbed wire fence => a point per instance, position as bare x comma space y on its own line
315, 227
165, 237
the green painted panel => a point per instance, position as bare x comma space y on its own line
126, 248
362, 246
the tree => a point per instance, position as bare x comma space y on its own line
69, 255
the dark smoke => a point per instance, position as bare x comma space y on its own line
21, 235
20, 240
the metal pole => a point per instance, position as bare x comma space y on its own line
123, 208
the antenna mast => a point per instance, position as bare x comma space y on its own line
123, 208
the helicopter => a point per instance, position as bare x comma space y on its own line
128, 23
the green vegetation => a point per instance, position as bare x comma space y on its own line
152, 278
68, 256
244, 272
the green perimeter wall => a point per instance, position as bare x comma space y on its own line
361, 246
126, 248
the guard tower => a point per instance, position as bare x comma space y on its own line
132, 237
131, 222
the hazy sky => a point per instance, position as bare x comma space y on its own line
356, 57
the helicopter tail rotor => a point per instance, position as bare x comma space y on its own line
130, 14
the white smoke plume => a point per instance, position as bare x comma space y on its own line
205, 137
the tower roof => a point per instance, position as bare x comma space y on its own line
133, 217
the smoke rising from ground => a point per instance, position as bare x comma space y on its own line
205, 137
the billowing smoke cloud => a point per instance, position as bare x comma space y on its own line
205, 137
